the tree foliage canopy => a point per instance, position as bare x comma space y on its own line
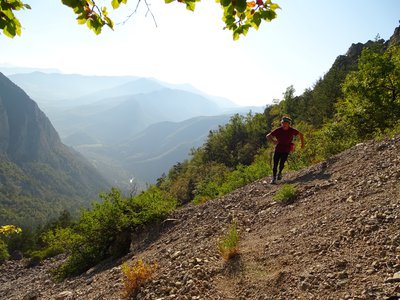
9, 24
238, 15
371, 100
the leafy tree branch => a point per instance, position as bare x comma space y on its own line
9, 24
238, 15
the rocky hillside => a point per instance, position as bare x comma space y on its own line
339, 239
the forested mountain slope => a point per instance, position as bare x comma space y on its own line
39, 176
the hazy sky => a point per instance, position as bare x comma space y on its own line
295, 49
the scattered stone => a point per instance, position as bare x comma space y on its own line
395, 278
66, 295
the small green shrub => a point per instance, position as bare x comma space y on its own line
6, 230
286, 194
229, 244
56, 241
200, 199
206, 191
4, 255
231, 181
82, 258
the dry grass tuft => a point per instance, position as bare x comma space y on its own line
229, 244
136, 275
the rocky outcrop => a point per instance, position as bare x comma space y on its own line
349, 61
395, 38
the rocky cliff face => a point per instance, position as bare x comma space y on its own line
26, 133
349, 60
395, 38
39, 176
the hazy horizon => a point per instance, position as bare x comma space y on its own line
297, 48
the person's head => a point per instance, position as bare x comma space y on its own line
286, 122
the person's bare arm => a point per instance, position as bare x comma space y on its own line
271, 139
301, 136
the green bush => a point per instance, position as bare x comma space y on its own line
286, 194
244, 175
6, 231
232, 180
56, 241
206, 191
333, 138
4, 255
82, 258
105, 231
151, 206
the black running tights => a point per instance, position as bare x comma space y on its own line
279, 158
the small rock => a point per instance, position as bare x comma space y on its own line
64, 295
395, 278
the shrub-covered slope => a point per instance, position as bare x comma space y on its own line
339, 239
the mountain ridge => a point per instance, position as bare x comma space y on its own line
161, 145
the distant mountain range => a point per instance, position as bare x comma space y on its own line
128, 126
39, 175
114, 119
153, 151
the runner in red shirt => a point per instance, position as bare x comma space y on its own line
282, 138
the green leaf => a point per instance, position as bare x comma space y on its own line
268, 15
104, 11
109, 22
12, 29
274, 6
256, 20
9, 14
229, 21
190, 5
241, 5
68, 3
226, 2
115, 4
81, 19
